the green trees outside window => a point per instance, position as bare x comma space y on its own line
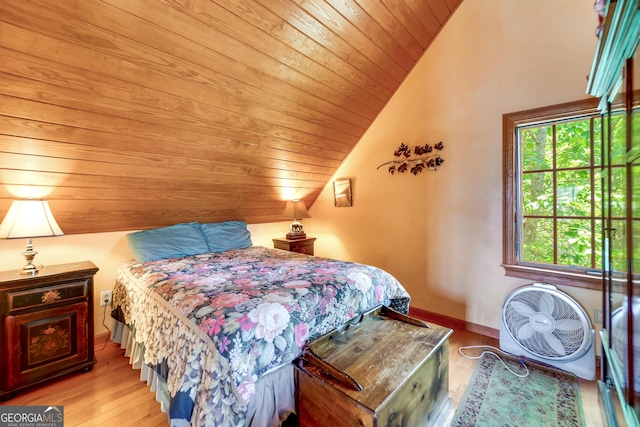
560, 213
566, 168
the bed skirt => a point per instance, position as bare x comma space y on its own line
272, 403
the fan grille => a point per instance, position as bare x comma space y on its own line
547, 323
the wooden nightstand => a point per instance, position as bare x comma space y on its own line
46, 324
303, 246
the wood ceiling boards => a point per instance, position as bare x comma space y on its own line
136, 114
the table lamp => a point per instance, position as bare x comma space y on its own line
28, 219
295, 209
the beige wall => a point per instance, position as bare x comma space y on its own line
440, 232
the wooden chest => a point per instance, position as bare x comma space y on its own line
401, 365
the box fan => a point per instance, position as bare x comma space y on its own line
541, 323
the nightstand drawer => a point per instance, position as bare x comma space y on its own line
303, 249
38, 297
301, 246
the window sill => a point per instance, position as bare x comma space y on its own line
556, 277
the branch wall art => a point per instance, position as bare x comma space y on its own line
415, 159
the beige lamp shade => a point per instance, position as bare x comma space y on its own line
295, 209
29, 218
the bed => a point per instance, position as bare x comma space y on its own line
216, 324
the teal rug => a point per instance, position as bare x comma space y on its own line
496, 398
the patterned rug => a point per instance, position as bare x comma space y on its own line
497, 398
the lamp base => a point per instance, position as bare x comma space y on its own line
296, 232
29, 255
29, 270
296, 236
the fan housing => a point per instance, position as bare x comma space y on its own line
540, 322
619, 339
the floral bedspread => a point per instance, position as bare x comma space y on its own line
249, 311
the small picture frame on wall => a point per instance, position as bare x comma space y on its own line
342, 192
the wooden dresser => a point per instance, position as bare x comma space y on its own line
46, 324
401, 366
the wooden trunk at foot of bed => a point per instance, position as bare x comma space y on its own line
403, 369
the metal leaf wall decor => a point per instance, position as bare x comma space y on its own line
415, 159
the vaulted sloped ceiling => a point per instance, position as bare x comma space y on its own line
130, 114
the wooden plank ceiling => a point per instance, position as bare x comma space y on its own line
129, 114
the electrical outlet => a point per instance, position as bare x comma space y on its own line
597, 316
105, 298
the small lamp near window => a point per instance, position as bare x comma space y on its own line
296, 210
28, 219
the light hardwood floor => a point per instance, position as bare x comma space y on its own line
112, 394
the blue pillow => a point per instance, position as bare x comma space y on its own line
167, 242
225, 236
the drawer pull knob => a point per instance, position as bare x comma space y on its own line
50, 296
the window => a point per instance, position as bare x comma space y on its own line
552, 216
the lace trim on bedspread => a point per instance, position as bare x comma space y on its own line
250, 311
156, 321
